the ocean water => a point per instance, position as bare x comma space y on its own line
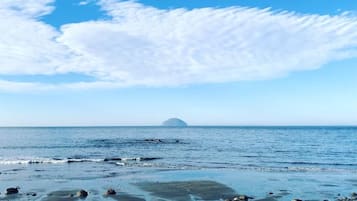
308, 162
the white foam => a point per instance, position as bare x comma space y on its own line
119, 163
24, 161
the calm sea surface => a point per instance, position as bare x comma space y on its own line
265, 148
83, 154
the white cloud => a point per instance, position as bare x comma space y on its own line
143, 45
30, 8
28, 46
86, 2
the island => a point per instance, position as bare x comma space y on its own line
174, 122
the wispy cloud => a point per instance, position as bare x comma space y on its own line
142, 45
30, 8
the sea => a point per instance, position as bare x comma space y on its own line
264, 163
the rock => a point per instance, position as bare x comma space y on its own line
31, 194
149, 159
10, 191
112, 159
174, 122
82, 193
111, 192
296, 200
270, 193
153, 140
242, 198
352, 198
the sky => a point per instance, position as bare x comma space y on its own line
208, 62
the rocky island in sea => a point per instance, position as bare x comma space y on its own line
174, 122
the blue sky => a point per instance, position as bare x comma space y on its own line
233, 62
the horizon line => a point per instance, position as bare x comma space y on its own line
188, 126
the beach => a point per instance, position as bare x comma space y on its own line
153, 163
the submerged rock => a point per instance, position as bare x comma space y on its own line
11, 191
112, 159
111, 192
174, 122
31, 194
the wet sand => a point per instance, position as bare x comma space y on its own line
177, 185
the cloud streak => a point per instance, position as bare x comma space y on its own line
142, 45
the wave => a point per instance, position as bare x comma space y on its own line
294, 166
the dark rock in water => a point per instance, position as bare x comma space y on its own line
153, 140
149, 159
10, 191
174, 122
112, 159
296, 200
82, 193
31, 194
354, 195
111, 192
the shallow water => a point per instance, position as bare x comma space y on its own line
308, 162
